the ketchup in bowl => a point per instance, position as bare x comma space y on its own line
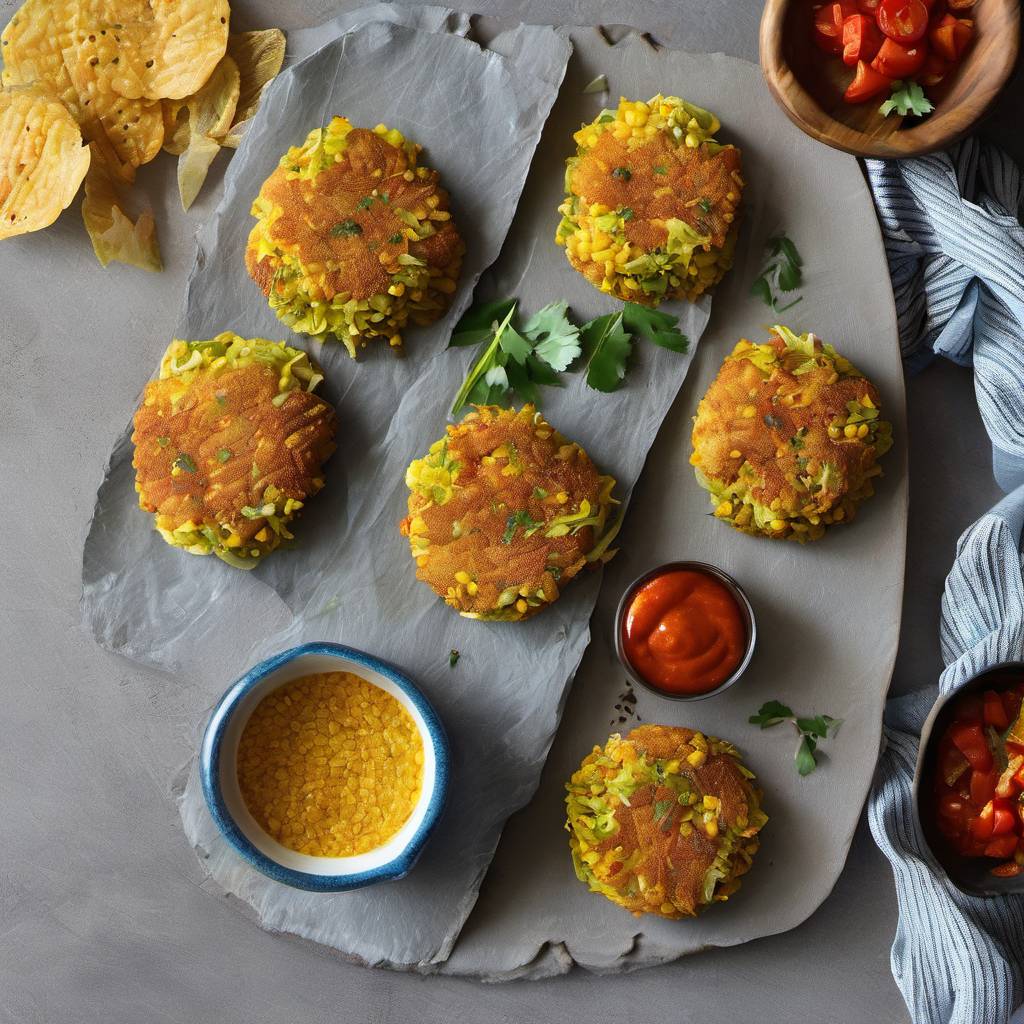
685, 629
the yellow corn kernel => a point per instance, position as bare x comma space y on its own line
462, 577
696, 758
521, 606
850, 430
778, 524
735, 453
749, 412
862, 430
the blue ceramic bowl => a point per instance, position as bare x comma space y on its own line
217, 769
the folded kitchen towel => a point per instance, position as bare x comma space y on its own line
956, 257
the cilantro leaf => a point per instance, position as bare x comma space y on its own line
660, 328
224, 454
771, 713
556, 340
515, 345
907, 100
480, 322
346, 229
608, 347
661, 808
483, 369
805, 760
519, 381
783, 272
184, 462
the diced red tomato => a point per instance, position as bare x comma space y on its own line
1011, 701
1001, 848
935, 70
971, 742
868, 6
1009, 870
1003, 820
861, 39
983, 825
949, 37
969, 708
867, 82
983, 787
898, 61
828, 24
994, 712
906, 21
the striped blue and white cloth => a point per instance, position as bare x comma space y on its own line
956, 256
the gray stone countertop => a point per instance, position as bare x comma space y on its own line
112, 925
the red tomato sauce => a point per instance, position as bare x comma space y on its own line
683, 632
979, 779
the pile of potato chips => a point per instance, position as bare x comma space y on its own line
93, 89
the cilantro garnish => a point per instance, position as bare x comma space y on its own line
772, 421
224, 454
384, 197
395, 239
514, 360
453, 658
626, 213
907, 100
659, 169
346, 229
782, 273
797, 440
608, 347
163, 441
523, 519
184, 462
365, 203
811, 731
622, 173
705, 205
657, 327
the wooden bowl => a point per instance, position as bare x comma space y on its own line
809, 84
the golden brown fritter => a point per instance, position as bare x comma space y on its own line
503, 512
787, 437
664, 821
353, 238
229, 444
651, 201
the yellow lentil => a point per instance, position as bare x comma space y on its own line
330, 765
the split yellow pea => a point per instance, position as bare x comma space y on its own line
330, 765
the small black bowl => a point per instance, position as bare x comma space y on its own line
746, 611
969, 874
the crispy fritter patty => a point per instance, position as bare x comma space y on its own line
788, 436
354, 239
229, 443
664, 821
651, 202
503, 512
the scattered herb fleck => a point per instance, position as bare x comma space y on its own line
521, 518
811, 731
395, 239
224, 454
659, 169
453, 658
772, 421
705, 205
163, 441
622, 173
626, 213
782, 273
365, 203
797, 440
346, 229
184, 462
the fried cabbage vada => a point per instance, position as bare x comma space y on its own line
229, 444
664, 821
504, 511
787, 438
651, 201
354, 238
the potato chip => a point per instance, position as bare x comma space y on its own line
37, 48
114, 235
259, 56
150, 49
43, 159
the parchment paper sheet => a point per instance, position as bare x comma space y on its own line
351, 577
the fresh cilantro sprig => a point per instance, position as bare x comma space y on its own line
608, 341
514, 359
517, 359
907, 100
783, 273
811, 730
